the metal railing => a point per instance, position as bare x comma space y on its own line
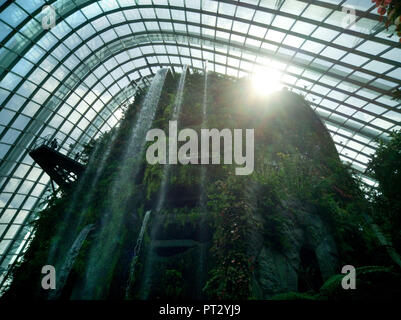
54, 143
48, 141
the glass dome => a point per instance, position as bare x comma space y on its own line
70, 79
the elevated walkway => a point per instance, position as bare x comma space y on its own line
61, 169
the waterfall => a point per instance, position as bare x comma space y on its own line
137, 250
204, 125
62, 276
204, 107
104, 255
175, 116
99, 169
137, 140
162, 193
66, 232
202, 196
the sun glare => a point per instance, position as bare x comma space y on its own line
266, 80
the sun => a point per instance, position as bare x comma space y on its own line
266, 80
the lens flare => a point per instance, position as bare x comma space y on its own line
266, 80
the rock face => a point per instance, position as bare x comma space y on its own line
291, 240
309, 248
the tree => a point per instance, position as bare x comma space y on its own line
385, 167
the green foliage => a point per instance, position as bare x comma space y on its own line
183, 216
372, 282
326, 186
26, 273
230, 278
385, 167
152, 179
172, 282
274, 232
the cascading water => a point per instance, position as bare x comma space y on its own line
146, 283
67, 232
137, 251
99, 169
136, 144
174, 117
204, 125
100, 166
69, 262
103, 256
202, 196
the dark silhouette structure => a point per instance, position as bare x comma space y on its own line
61, 169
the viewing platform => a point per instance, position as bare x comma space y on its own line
62, 169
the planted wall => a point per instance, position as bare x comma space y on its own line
288, 227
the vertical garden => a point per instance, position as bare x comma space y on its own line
131, 230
